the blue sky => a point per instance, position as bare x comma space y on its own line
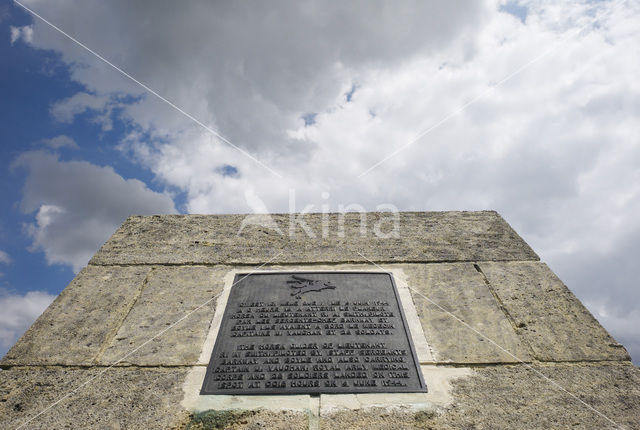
27, 91
32, 80
527, 108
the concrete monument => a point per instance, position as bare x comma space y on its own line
396, 321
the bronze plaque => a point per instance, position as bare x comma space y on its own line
313, 332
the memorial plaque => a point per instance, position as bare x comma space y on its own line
313, 332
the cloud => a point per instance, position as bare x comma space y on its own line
25, 33
239, 68
78, 205
553, 148
66, 110
4, 257
625, 327
61, 141
18, 313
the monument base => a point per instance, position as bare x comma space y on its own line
499, 340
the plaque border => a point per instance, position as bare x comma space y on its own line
321, 390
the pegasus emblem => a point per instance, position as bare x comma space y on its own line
302, 285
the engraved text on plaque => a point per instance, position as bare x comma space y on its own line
313, 332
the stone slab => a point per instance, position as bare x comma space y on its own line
496, 397
127, 398
171, 293
74, 328
508, 397
461, 290
548, 316
213, 239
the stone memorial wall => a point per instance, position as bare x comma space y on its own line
316, 321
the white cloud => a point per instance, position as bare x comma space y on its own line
554, 148
18, 313
625, 327
79, 205
66, 110
61, 141
240, 68
25, 33
4, 257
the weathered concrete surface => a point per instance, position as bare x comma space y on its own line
169, 295
515, 397
156, 270
548, 316
248, 419
74, 328
459, 289
496, 397
119, 398
423, 237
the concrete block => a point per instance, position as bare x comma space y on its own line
421, 237
508, 397
114, 398
75, 327
440, 290
548, 316
186, 294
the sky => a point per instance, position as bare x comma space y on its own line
529, 108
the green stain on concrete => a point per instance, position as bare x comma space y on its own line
209, 420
